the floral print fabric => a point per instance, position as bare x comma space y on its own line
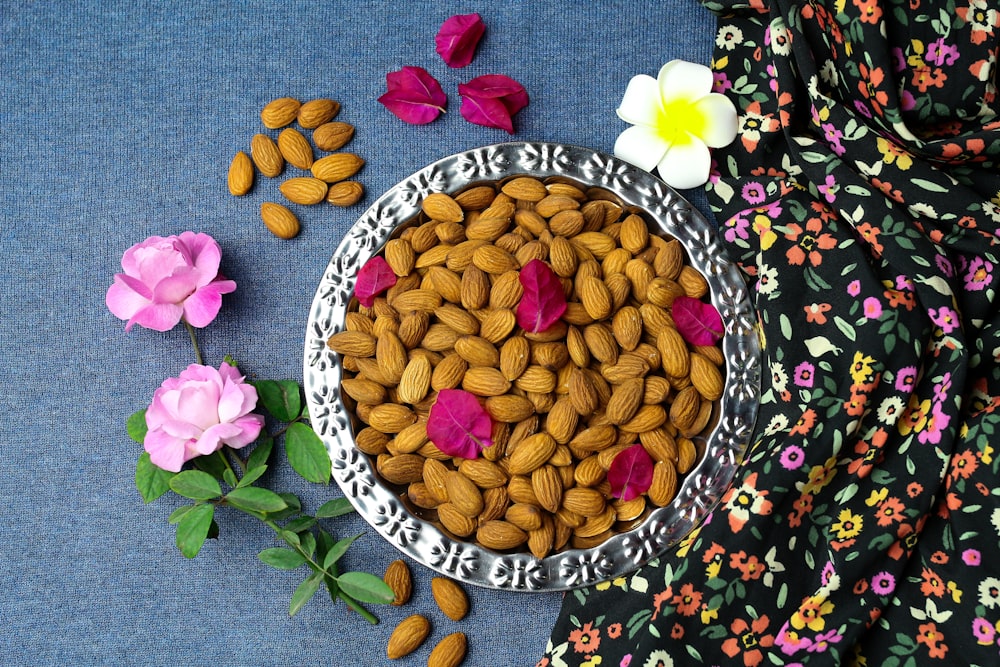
862, 201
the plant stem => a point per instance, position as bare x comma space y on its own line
236, 457
194, 343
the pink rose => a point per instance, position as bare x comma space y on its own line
169, 278
199, 412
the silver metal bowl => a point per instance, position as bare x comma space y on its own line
387, 510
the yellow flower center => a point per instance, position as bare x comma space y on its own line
679, 121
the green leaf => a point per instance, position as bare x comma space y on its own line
300, 524
305, 591
214, 464
930, 186
229, 477
294, 507
151, 480
334, 508
338, 550
196, 485
283, 559
136, 426
307, 543
229, 360
282, 398
255, 499
193, 528
307, 454
365, 587
179, 513
251, 476
261, 452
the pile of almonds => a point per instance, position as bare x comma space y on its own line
612, 372
413, 630
328, 180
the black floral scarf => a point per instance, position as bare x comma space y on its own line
862, 200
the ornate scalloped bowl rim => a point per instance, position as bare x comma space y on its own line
623, 553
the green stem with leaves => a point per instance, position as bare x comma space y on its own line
194, 343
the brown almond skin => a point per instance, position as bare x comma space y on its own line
398, 578
449, 652
332, 136
450, 598
280, 112
240, 177
408, 636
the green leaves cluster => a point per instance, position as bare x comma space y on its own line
225, 479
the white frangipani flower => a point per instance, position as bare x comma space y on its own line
676, 118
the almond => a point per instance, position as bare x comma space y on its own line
304, 190
463, 494
684, 409
280, 112
566, 223
540, 541
595, 297
345, 193
525, 188
659, 444
476, 198
410, 439
674, 355
552, 204
706, 377
240, 177
514, 357
601, 343
415, 381
316, 112
478, 351
266, 155
337, 167
475, 288
449, 652
562, 420
588, 472
663, 488
509, 408
332, 136
497, 325
694, 283
594, 438
582, 393
500, 535
279, 220
484, 381
454, 521
391, 418
353, 343
494, 260
484, 473
295, 148
646, 418
507, 291
408, 636
441, 207
625, 401
450, 598
531, 453
398, 578
447, 283
584, 501
626, 327
536, 379
390, 353
669, 260
547, 487
363, 391
449, 373
401, 468
686, 455
634, 234
524, 516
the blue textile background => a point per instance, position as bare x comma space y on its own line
117, 122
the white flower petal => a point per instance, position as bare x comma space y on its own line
641, 104
686, 165
641, 146
683, 79
721, 120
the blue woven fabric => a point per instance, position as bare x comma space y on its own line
117, 122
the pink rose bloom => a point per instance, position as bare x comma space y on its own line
169, 278
199, 412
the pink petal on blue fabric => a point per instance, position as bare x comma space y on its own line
157, 316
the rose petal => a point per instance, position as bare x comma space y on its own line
201, 308
686, 165
157, 316
250, 427
720, 120
685, 80
205, 254
213, 439
641, 103
199, 404
165, 451
642, 146
123, 301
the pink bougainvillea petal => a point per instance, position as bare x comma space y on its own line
699, 323
458, 424
488, 112
480, 98
458, 38
544, 301
413, 95
375, 277
631, 473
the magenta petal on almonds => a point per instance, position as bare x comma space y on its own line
458, 38
631, 473
488, 112
699, 323
458, 424
375, 277
544, 301
413, 95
